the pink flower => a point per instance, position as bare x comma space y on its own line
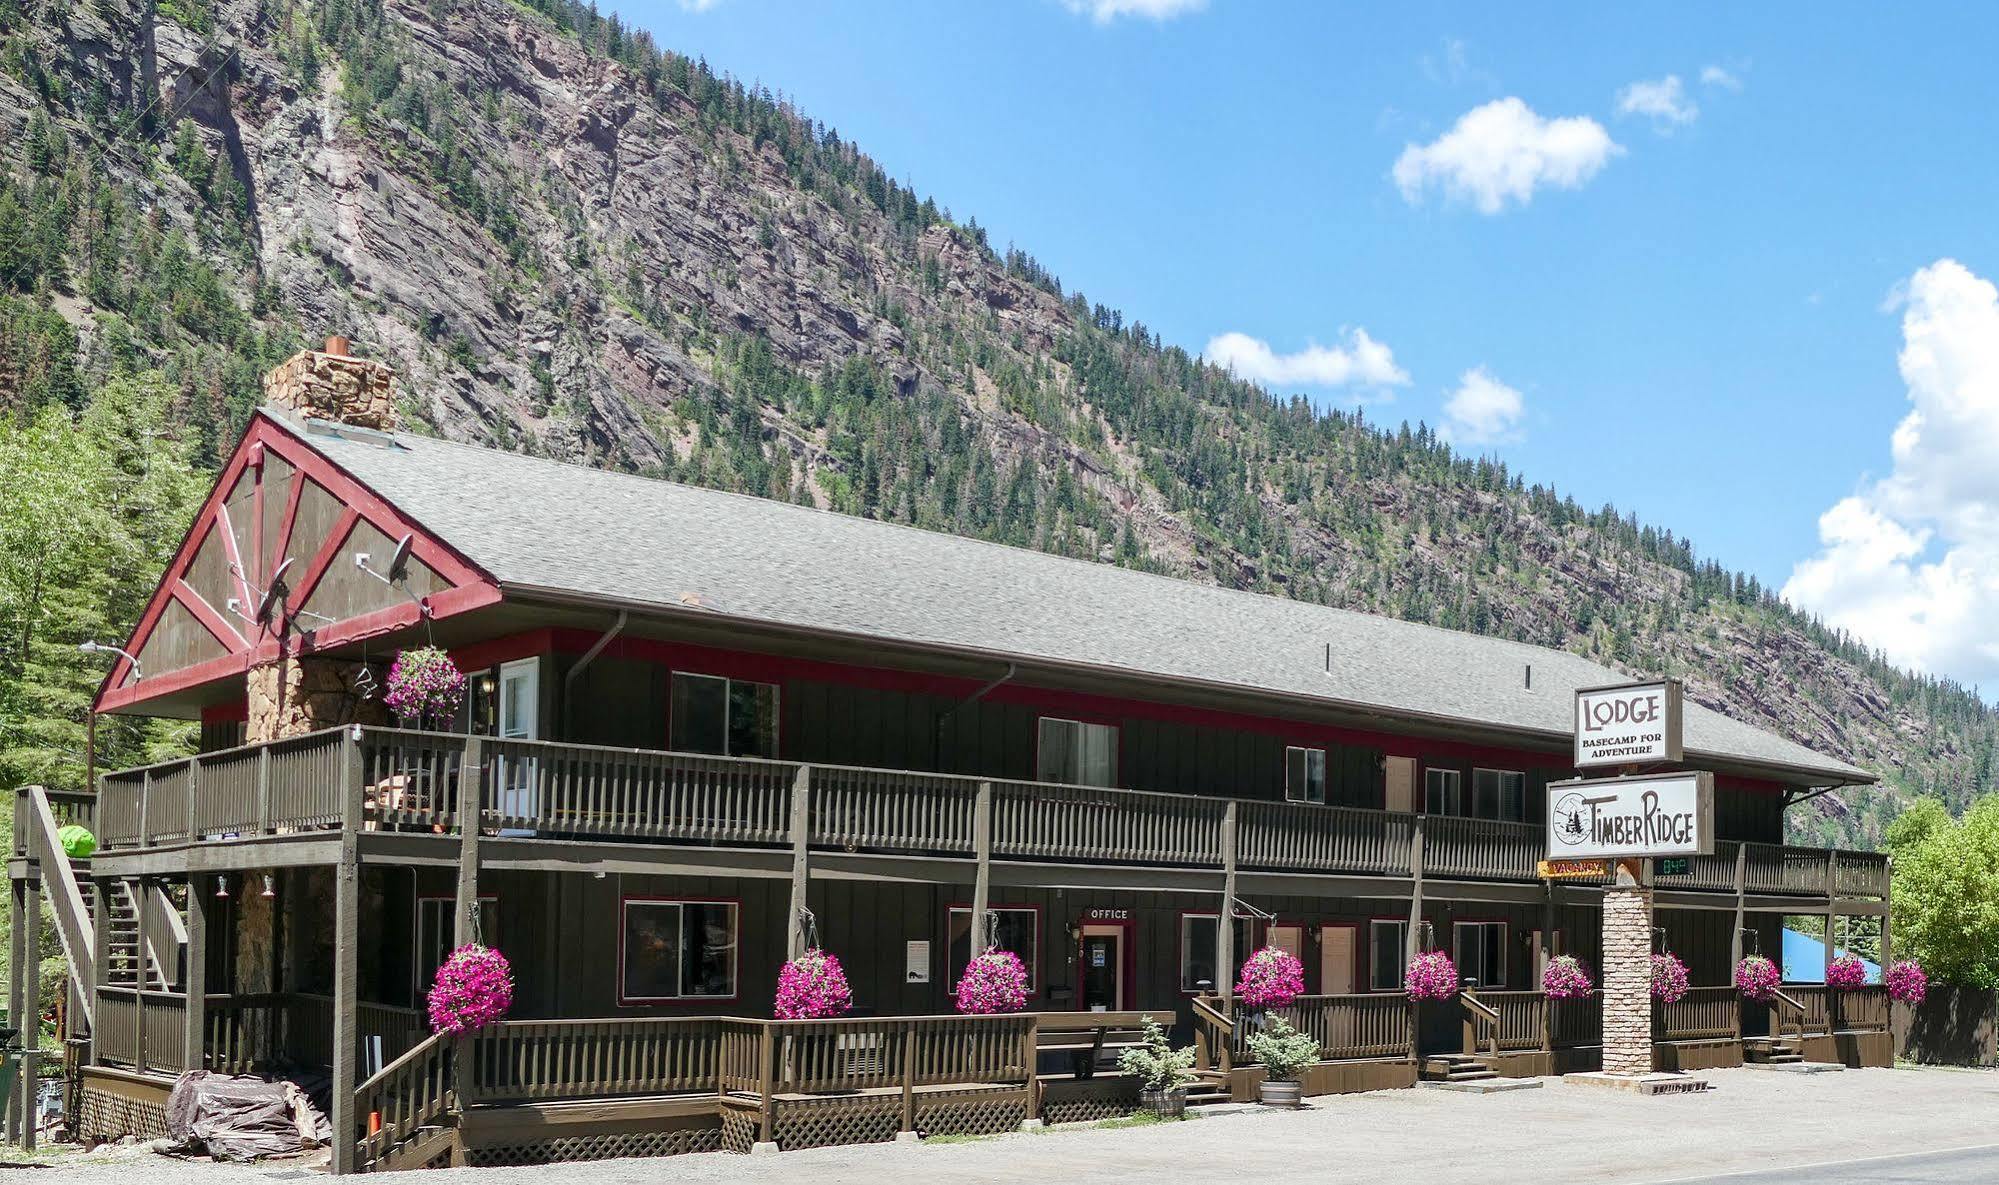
1271, 978
1431, 976
812, 987
1847, 973
1565, 978
1669, 978
474, 988
1757, 979
425, 684
1907, 981
994, 981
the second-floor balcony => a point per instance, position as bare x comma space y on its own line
396, 780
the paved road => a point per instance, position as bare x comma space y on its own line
1764, 1128
1961, 1166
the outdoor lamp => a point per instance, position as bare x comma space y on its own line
221, 886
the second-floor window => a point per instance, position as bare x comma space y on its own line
732, 717
1075, 753
1304, 775
1499, 794
1443, 792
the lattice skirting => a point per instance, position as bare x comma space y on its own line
971, 1112
108, 1115
739, 1130
1088, 1100
610, 1146
831, 1122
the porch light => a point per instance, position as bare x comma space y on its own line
95, 647
270, 891
222, 887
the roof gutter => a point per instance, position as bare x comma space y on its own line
1371, 711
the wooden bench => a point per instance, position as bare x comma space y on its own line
1093, 1040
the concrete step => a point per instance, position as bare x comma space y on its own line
1795, 1067
1490, 1084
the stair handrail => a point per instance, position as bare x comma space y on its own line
430, 1105
1478, 1012
166, 940
1783, 999
1214, 1029
73, 927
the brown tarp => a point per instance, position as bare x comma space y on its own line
241, 1118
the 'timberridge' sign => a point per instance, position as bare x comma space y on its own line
1635, 724
1628, 818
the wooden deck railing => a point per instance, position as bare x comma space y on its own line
1576, 1023
584, 1059
413, 1092
1522, 1023
813, 1056
142, 1030
409, 781
1703, 1014
1355, 1025
1862, 1009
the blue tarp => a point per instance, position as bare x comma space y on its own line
1804, 959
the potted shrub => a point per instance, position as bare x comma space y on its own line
1163, 1072
1285, 1053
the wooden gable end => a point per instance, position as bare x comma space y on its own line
282, 512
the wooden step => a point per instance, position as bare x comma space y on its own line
420, 1150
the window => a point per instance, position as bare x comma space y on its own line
1500, 794
1197, 950
1014, 929
1388, 951
1075, 753
1443, 792
731, 717
436, 927
1304, 775
1481, 952
677, 950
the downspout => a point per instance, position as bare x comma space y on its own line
589, 656
937, 733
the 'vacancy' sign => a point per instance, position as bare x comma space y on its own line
1628, 818
1634, 724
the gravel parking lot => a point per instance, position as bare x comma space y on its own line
1752, 1120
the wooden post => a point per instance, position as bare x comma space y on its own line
29, 971
1032, 1052
135, 890
264, 790
196, 979
100, 924
145, 805
982, 851
1887, 901
471, 812
1413, 939
1741, 886
908, 1076
767, 1084
347, 955
1548, 953
17, 983
1225, 923
1831, 945
801, 861
193, 797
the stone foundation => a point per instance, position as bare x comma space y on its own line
330, 385
1627, 980
293, 696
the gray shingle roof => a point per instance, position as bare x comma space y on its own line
548, 525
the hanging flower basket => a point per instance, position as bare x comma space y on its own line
1669, 978
995, 981
425, 685
812, 987
1907, 982
1271, 978
474, 988
1431, 976
1757, 978
1847, 973
1565, 978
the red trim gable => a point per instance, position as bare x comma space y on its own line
248, 643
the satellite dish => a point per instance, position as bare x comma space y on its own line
399, 563
272, 594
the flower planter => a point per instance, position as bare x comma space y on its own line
1167, 1104
1287, 1095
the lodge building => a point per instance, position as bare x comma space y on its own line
705, 730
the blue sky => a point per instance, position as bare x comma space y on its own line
1690, 298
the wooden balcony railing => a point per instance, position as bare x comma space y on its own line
410, 781
1355, 1025
525, 1060
1703, 1014
1573, 1024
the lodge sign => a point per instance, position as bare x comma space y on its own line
1628, 818
1632, 724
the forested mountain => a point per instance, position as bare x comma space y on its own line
571, 242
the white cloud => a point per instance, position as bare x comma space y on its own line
1910, 563
698, 5
1104, 12
1503, 152
1664, 100
1720, 76
1483, 410
1359, 361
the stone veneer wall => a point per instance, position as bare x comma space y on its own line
293, 696
1627, 980
334, 386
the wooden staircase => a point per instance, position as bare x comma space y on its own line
1456, 1067
1210, 1088
1772, 1051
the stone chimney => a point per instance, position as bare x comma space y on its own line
330, 384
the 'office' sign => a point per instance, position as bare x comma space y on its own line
1629, 818
1634, 724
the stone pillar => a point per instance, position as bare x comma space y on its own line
1627, 979
293, 696
330, 384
